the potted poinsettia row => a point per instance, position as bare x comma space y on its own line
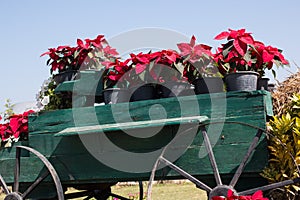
146, 75
239, 62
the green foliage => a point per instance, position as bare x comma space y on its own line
284, 147
8, 109
49, 100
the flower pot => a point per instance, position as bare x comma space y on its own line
143, 92
262, 83
241, 81
65, 76
174, 89
208, 85
115, 95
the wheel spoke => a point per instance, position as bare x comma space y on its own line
149, 189
118, 197
59, 189
211, 156
141, 190
4, 186
186, 175
36, 183
245, 159
270, 186
17, 171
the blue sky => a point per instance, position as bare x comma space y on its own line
29, 28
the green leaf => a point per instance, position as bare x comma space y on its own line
274, 73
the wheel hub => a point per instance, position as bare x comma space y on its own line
13, 196
221, 190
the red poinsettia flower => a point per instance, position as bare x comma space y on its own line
243, 53
231, 196
166, 57
81, 44
96, 42
240, 39
115, 70
88, 54
4, 131
19, 123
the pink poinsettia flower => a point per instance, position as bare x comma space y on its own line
195, 52
110, 51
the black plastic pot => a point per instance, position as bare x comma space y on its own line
241, 81
143, 92
174, 89
208, 85
115, 95
65, 76
262, 83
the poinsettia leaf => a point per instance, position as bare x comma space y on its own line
247, 57
226, 50
185, 48
257, 195
48, 62
76, 53
277, 62
267, 57
193, 41
139, 68
14, 124
240, 47
90, 55
179, 67
247, 39
222, 35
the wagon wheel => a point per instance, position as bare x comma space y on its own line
15, 194
221, 189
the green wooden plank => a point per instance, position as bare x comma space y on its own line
131, 125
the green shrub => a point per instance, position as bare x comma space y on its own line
284, 147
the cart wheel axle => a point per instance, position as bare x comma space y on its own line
221, 190
13, 196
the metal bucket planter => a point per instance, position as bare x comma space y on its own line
262, 83
174, 89
241, 81
208, 85
115, 95
143, 92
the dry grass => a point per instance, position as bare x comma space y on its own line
166, 191
284, 91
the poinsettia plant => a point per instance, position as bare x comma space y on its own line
114, 73
231, 196
243, 53
15, 128
88, 54
143, 68
197, 60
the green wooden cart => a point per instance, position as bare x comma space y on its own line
217, 141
